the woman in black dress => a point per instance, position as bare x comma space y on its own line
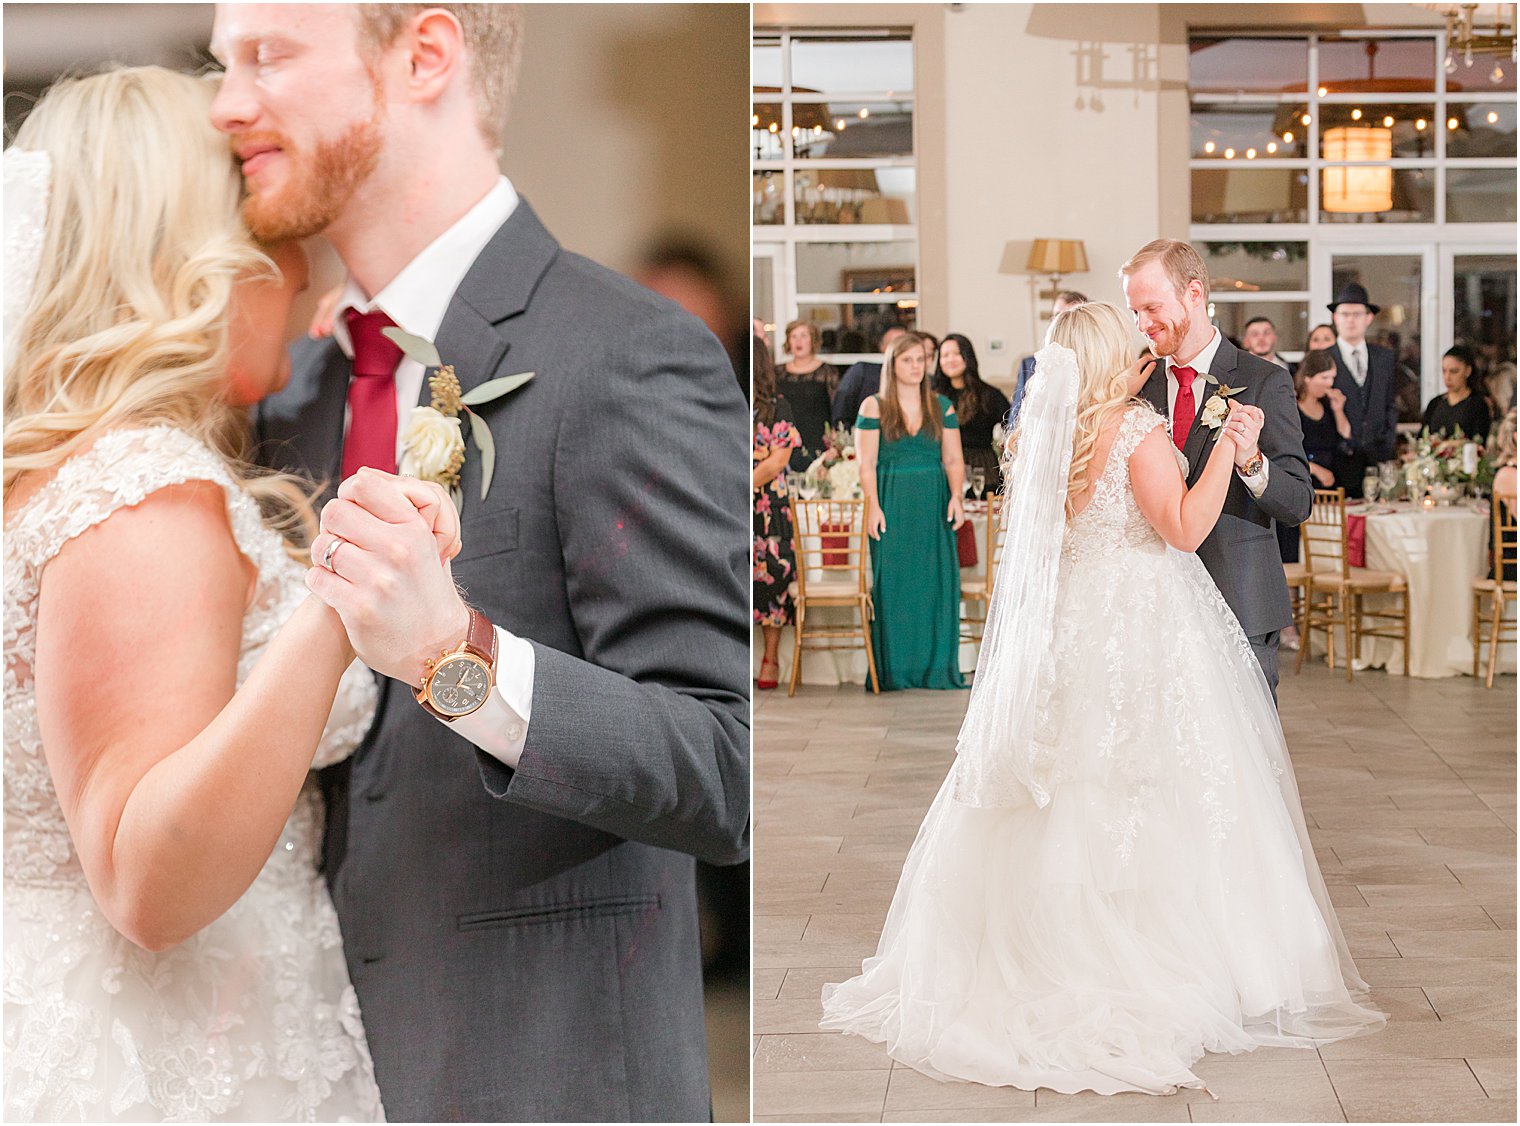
978, 405
1327, 433
1461, 407
808, 384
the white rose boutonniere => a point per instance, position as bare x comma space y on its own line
433, 445
1217, 409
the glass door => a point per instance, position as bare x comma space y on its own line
765, 291
1480, 313
1401, 280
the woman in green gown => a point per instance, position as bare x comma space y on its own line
911, 473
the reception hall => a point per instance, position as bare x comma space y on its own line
930, 185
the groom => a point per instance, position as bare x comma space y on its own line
1167, 288
515, 885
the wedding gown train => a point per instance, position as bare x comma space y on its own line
1165, 902
253, 1017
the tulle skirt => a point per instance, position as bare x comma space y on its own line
1164, 903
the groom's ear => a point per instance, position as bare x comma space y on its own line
437, 54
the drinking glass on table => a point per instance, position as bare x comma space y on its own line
978, 481
1372, 485
1388, 478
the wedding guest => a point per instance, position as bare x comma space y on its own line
1498, 382
911, 473
1504, 476
1320, 337
1327, 434
979, 406
861, 381
931, 353
1365, 375
808, 383
1259, 337
1066, 299
772, 553
1462, 407
687, 272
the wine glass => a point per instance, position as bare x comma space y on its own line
978, 482
1372, 485
1388, 477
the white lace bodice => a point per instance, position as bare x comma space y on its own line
1112, 521
253, 1017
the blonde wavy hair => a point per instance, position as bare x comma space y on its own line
128, 320
1102, 338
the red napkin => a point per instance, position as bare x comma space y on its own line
840, 556
965, 544
1356, 540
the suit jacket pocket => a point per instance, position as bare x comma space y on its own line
598, 908
491, 533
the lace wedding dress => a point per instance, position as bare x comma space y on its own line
252, 1018
1149, 893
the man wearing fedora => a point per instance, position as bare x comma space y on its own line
1364, 373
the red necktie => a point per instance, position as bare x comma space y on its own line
1183, 410
371, 394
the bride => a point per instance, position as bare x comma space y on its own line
170, 948
1115, 876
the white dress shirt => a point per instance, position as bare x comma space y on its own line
416, 299
1355, 356
1200, 364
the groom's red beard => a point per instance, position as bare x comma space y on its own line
1169, 341
319, 184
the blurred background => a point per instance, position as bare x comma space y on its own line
623, 138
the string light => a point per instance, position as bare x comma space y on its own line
1451, 123
1356, 115
1492, 117
1250, 154
1388, 122
754, 120
840, 124
1420, 125
1272, 146
1322, 91
1304, 120
775, 128
1288, 138
1229, 154
865, 112
1208, 146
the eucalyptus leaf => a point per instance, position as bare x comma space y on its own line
415, 347
494, 389
487, 447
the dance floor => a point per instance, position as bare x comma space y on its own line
1409, 790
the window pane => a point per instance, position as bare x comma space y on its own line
1253, 66
855, 267
1407, 129
1240, 266
1377, 195
765, 131
1485, 306
852, 129
1368, 65
765, 63
1483, 129
1250, 195
767, 190
1273, 131
857, 328
824, 66
1488, 73
855, 195
1480, 195
1289, 318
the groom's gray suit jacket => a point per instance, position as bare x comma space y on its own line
1241, 553
524, 942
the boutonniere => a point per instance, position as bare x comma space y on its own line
1217, 409
433, 443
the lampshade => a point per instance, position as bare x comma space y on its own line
1359, 190
1057, 256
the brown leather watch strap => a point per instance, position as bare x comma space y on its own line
481, 639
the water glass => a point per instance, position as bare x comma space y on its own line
978, 482
1371, 486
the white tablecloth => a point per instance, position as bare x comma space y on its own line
848, 666
1441, 550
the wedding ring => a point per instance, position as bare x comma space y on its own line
332, 549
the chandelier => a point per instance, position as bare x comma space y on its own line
1472, 29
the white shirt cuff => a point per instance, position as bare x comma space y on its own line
499, 727
1257, 483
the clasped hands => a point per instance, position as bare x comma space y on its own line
1243, 427
382, 560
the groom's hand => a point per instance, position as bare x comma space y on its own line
384, 578
1244, 428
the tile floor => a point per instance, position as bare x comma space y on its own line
1409, 788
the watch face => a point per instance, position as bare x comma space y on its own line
459, 686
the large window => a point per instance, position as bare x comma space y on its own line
835, 190
1322, 159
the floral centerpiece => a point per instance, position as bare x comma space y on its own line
1450, 462
835, 473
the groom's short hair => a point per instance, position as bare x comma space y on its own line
492, 39
1178, 259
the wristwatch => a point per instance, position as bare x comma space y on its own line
460, 680
1252, 467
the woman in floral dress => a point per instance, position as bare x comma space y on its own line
772, 555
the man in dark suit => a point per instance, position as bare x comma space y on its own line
516, 886
1065, 299
859, 382
1364, 373
1167, 287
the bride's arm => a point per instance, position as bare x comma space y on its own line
174, 786
1184, 517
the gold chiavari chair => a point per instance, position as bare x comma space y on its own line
976, 592
1334, 589
829, 538
1491, 628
